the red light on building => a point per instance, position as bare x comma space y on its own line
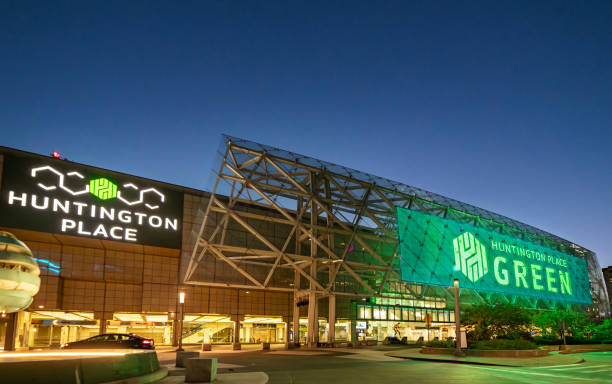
56, 155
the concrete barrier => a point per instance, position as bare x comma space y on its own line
83, 370
181, 356
586, 346
200, 369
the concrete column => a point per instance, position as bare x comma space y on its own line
296, 323
101, 317
331, 320
12, 324
313, 324
287, 321
353, 323
237, 319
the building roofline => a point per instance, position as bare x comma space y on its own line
176, 187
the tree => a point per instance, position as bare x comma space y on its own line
502, 321
561, 323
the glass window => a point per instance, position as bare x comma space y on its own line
383, 313
376, 313
405, 314
434, 316
452, 316
412, 318
395, 314
418, 315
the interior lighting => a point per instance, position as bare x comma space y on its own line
181, 297
62, 354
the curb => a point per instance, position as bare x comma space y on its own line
451, 361
417, 358
152, 377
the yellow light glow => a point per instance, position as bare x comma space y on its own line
182, 297
263, 320
213, 319
129, 317
61, 354
63, 315
157, 318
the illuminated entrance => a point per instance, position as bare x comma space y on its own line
151, 326
207, 329
51, 329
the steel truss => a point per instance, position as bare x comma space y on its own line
281, 221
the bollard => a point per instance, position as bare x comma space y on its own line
200, 369
181, 356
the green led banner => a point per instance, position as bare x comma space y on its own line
436, 251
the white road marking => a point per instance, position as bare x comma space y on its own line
575, 368
506, 371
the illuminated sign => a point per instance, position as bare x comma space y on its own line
61, 197
362, 325
434, 250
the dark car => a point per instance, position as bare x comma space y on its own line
111, 341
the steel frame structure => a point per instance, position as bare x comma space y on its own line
335, 229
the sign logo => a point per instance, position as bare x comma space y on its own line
76, 200
103, 188
470, 256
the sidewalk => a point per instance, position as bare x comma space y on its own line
553, 359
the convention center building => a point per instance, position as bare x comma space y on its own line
283, 248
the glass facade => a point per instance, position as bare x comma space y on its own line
91, 285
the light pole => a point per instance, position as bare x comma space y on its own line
181, 317
457, 319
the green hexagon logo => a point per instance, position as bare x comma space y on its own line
470, 256
103, 188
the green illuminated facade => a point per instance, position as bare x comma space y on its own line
436, 250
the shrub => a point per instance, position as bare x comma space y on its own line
547, 340
440, 344
498, 344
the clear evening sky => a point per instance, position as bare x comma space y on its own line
505, 105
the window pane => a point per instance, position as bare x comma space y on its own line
418, 315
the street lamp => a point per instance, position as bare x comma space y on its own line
181, 317
457, 319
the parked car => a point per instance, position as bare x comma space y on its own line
111, 341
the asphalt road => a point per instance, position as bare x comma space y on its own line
373, 367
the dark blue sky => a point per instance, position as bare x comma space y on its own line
505, 105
